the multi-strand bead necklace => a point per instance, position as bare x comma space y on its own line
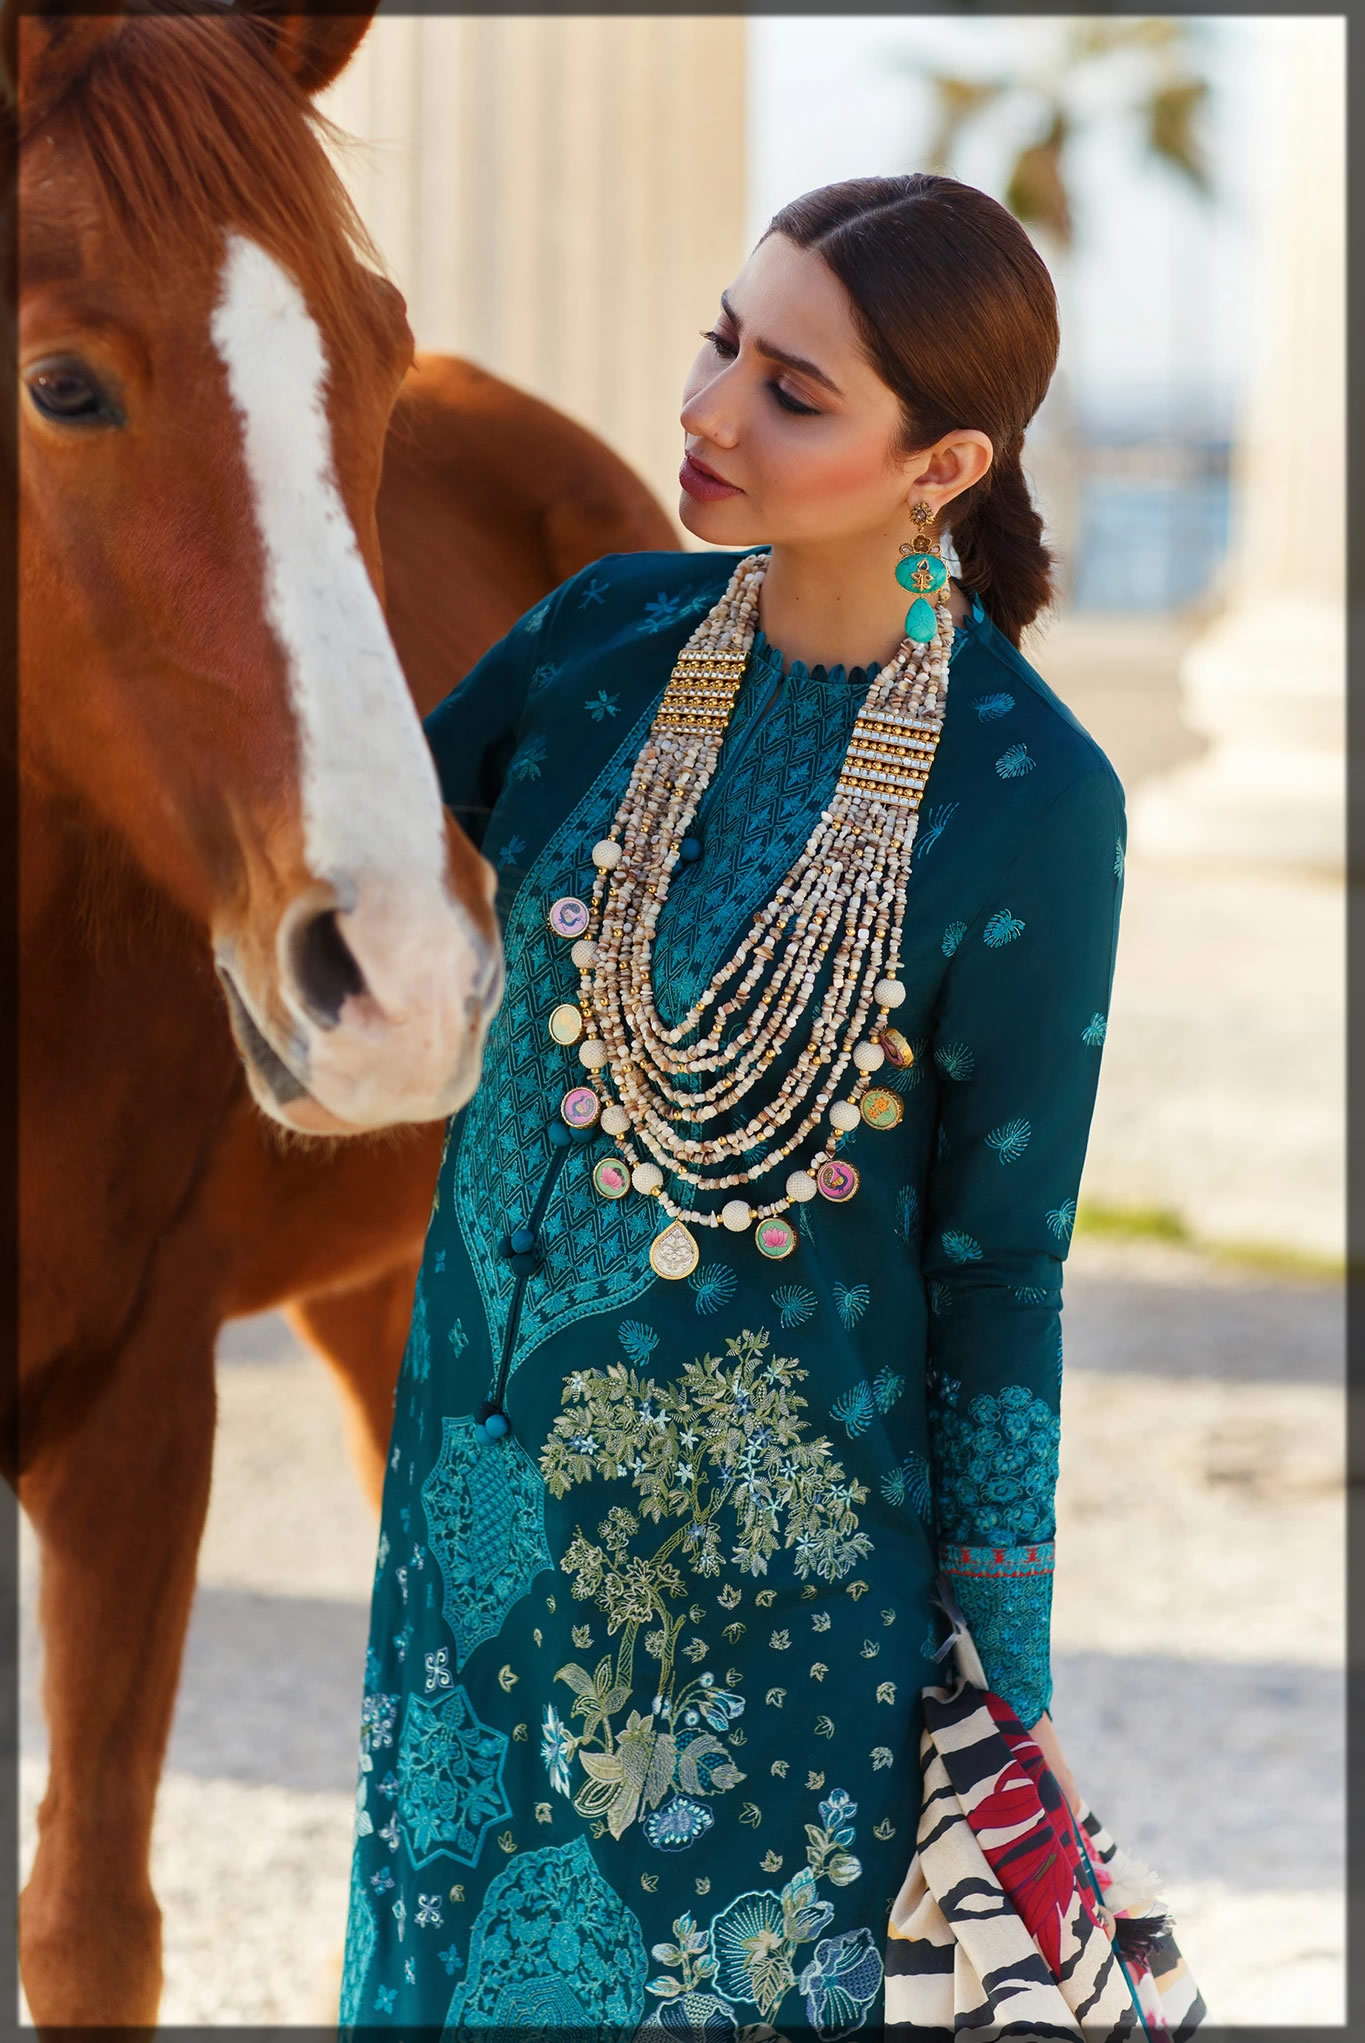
841, 905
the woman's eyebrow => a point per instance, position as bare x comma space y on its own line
796, 362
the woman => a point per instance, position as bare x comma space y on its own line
667, 1498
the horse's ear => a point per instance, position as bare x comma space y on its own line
41, 55
316, 45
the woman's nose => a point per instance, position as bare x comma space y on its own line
708, 419
708, 415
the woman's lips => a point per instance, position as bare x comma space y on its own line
698, 483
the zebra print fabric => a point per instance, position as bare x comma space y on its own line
996, 1930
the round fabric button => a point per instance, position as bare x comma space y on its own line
523, 1240
689, 851
560, 1137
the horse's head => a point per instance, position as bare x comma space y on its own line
208, 360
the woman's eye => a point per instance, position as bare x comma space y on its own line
783, 397
72, 394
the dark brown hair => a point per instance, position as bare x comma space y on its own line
958, 315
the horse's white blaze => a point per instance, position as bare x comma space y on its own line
369, 794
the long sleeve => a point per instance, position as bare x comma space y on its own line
472, 731
1017, 1043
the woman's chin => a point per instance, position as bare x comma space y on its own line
728, 521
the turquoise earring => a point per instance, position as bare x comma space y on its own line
921, 569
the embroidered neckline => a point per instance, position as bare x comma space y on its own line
773, 657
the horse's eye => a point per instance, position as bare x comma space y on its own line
72, 394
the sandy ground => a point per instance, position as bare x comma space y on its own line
1197, 1645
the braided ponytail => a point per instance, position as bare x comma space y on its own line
997, 535
958, 315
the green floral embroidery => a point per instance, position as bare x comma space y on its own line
747, 1954
722, 1453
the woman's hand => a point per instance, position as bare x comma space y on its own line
1044, 1736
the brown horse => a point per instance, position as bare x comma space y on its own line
230, 828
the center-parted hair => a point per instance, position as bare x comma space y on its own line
958, 315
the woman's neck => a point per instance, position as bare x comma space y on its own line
825, 609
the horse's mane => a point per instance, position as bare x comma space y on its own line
189, 126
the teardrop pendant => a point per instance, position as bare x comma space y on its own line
921, 622
674, 1253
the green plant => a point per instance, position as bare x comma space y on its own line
1056, 98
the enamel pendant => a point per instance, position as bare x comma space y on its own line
882, 1109
775, 1238
568, 916
896, 1049
566, 1023
837, 1181
580, 1107
611, 1178
674, 1253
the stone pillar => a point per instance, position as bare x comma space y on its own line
561, 199
1265, 684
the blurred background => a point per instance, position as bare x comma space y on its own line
562, 200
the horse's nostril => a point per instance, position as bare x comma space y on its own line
325, 972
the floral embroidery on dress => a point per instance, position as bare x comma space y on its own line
450, 1787
361, 1935
1061, 1219
714, 1285
1005, 1594
555, 1948
416, 1364
528, 762
795, 1305
1009, 1140
908, 1485
955, 1060
996, 1463
989, 707
746, 1956
1002, 928
485, 1512
722, 1453
935, 822
638, 1340
1013, 764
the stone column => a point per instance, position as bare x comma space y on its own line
1266, 682
561, 199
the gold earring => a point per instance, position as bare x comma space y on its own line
922, 569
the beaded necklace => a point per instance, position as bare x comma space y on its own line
842, 903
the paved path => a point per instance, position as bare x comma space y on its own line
1198, 1649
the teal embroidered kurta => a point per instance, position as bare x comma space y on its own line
641, 1707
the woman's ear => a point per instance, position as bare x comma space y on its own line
956, 462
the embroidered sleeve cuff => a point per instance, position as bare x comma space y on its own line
1005, 1593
